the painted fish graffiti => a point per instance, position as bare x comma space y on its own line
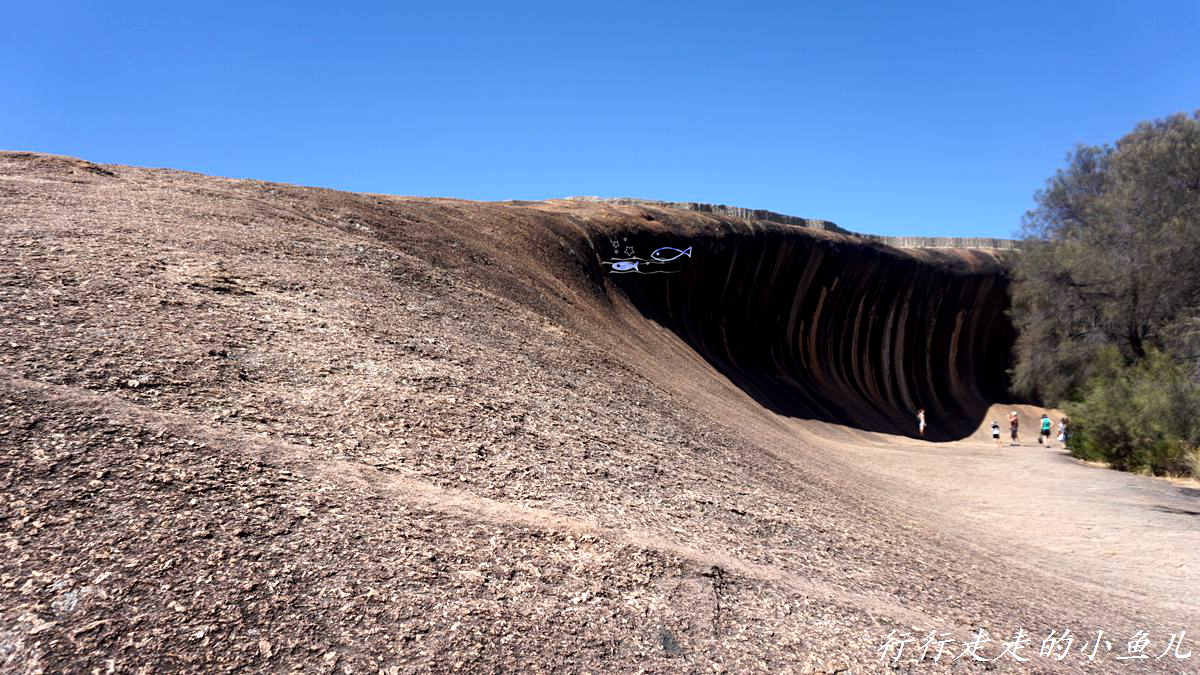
635, 265
657, 254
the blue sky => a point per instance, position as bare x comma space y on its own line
906, 118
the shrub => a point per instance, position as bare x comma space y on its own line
1143, 417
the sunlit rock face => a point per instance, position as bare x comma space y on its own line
835, 327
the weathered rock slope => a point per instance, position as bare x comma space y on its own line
250, 426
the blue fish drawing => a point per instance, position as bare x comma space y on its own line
657, 254
625, 266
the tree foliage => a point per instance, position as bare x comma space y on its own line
1111, 258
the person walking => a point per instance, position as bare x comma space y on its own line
1062, 431
921, 422
996, 432
1013, 423
1045, 429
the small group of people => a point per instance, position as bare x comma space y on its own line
1014, 424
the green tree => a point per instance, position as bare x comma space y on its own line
1111, 257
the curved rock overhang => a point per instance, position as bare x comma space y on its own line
838, 328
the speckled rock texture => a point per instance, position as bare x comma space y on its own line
254, 427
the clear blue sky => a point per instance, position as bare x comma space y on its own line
893, 118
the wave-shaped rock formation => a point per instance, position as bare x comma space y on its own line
810, 320
431, 434
826, 325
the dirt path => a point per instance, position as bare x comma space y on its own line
1038, 508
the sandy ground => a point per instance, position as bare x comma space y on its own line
1037, 507
247, 426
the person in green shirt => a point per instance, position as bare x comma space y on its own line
1045, 429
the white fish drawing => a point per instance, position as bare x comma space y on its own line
657, 254
634, 265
